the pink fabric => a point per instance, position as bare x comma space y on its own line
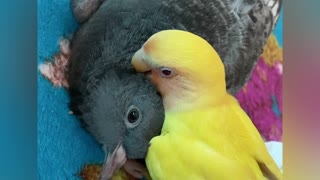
256, 99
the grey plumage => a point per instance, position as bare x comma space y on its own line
105, 112
83, 9
101, 77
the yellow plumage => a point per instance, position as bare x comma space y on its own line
206, 134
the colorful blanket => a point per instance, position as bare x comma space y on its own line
65, 149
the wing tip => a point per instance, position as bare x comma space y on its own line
275, 6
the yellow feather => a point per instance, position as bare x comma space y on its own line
213, 143
209, 136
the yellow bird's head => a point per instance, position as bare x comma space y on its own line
183, 66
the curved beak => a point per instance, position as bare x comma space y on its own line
139, 62
116, 160
113, 162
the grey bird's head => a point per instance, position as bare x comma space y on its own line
123, 113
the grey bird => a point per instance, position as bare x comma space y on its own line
121, 109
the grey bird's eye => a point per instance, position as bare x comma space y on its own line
133, 117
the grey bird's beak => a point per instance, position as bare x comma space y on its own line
113, 162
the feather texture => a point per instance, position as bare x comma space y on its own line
206, 133
199, 139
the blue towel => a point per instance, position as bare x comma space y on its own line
63, 146
278, 29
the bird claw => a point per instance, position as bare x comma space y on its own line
56, 71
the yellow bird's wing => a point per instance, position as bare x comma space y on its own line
177, 157
267, 165
252, 141
213, 143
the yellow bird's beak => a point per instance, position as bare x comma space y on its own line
139, 63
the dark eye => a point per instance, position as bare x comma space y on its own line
166, 72
133, 116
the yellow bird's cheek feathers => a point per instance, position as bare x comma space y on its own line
164, 85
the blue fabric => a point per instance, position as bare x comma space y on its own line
63, 146
278, 30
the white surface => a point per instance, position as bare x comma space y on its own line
275, 150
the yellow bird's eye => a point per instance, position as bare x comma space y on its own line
166, 72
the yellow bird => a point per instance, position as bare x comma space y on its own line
206, 134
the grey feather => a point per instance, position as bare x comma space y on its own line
105, 112
110, 35
83, 9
